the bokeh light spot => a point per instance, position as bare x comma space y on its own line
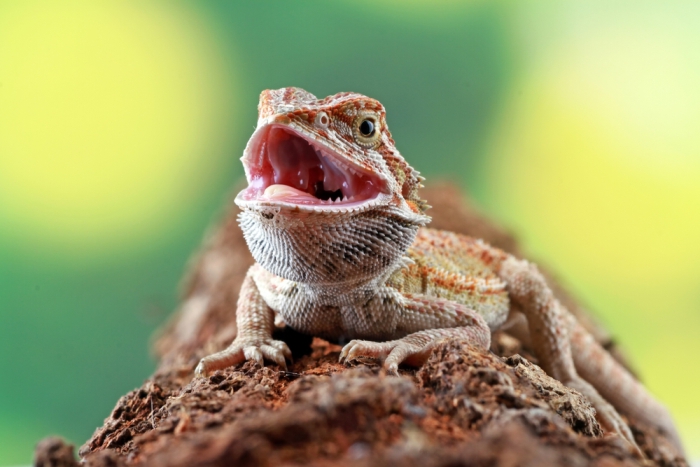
594, 162
108, 115
600, 140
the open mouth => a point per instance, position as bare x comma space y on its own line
283, 166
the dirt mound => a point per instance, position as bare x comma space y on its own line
463, 407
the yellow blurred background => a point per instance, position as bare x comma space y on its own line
121, 125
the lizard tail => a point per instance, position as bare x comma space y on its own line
616, 384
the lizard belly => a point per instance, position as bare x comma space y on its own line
321, 321
333, 322
337, 319
297, 309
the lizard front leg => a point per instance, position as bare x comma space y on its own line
423, 322
256, 322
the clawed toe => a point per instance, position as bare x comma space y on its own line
352, 350
359, 348
607, 415
392, 353
257, 350
201, 370
274, 354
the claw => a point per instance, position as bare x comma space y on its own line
354, 351
253, 353
285, 350
275, 354
346, 349
200, 371
392, 369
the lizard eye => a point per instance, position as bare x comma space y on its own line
322, 120
367, 130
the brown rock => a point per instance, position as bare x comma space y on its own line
463, 407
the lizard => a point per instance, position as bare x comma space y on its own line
334, 220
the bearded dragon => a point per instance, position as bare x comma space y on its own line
333, 217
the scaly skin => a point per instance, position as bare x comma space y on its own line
367, 270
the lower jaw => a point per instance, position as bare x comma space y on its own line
245, 199
289, 195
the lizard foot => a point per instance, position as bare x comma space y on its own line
606, 414
410, 351
242, 349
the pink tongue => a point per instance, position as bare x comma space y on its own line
287, 193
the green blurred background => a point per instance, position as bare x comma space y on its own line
121, 125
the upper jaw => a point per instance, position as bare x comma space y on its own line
289, 166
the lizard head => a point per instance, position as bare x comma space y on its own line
334, 154
322, 166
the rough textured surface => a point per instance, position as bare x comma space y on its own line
463, 407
